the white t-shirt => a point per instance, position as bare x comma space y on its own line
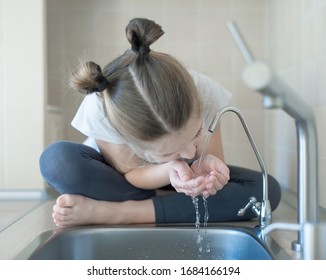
91, 119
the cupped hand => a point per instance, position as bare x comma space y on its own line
184, 180
215, 172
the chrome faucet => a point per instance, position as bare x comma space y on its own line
261, 209
277, 95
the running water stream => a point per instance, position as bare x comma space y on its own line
202, 241
203, 152
204, 245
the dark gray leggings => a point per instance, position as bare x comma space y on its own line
72, 168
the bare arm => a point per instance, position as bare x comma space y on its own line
141, 175
150, 176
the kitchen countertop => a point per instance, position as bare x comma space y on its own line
17, 235
11, 212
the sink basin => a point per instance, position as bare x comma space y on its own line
145, 242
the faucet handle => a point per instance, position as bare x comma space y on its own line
253, 204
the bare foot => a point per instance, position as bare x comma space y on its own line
75, 210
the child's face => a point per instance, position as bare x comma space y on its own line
181, 144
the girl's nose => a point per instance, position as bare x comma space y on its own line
188, 152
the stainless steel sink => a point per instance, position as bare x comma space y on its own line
146, 242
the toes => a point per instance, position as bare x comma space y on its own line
60, 220
66, 200
62, 210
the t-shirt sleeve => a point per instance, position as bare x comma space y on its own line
91, 120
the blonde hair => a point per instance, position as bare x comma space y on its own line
147, 94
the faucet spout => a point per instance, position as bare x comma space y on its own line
265, 210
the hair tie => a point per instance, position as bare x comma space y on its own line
102, 85
142, 50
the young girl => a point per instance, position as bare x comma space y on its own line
146, 118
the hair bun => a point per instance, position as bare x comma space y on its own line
88, 78
141, 33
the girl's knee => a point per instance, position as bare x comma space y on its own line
52, 153
53, 160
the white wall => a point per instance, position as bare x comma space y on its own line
22, 88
